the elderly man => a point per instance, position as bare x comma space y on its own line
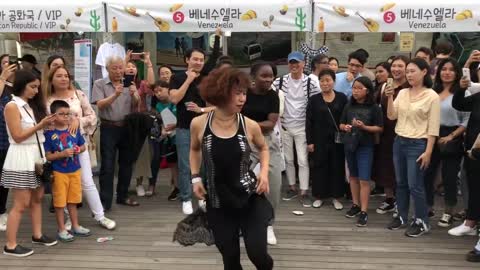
114, 102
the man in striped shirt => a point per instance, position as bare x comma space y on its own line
296, 88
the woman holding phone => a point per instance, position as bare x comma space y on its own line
383, 164
417, 111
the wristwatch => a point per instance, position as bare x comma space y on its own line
202, 110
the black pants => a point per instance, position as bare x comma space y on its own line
472, 167
449, 172
450, 169
3, 191
328, 171
252, 221
114, 138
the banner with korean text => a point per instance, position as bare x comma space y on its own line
397, 16
52, 16
206, 16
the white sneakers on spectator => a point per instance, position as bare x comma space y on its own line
107, 223
187, 208
140, 191
317, 204
337, 204
463, 230
3, 222
271, 239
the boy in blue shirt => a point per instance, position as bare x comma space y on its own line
62, 149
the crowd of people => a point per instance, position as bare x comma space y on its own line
226, 137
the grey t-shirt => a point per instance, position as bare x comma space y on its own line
117, 111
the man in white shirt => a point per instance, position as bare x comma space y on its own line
297, 88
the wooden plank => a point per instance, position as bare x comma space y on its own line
321, 239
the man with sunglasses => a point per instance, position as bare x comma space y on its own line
344, 81
297, 88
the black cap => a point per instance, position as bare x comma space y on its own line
29, 58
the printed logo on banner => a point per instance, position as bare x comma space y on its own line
178, 17
389, 17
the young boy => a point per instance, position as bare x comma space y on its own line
164, 147
62, 149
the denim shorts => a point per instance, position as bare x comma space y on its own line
360, 162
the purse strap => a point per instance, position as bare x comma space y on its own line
331, 115
36, 135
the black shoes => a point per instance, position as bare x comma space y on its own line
44, 240
473, 256
417, 229
18, 251
353, 212
362, 219
397, 223
173, 195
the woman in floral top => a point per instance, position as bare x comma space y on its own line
60, 88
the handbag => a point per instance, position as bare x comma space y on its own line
338, 134
453, 147
43, 169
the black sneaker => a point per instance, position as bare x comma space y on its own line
44, 240
473, 256
173, 195
460, 216
417, 229
362, 219
18, 251
290, 195
397, 223
353, 212
385, 207
305, 200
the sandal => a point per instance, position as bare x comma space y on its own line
129, 202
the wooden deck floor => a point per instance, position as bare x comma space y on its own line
321, 239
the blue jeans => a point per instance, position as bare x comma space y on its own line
360, 162
114, 138
410, 178
184, 174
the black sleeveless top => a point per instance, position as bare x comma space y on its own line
230, 182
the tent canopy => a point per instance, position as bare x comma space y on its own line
206, 16
400, 16
52, 16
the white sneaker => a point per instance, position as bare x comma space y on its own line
3, 222
187, 208
317, 204
68, 224
271, 239
107, 223
337, 204
140, 191
462, 230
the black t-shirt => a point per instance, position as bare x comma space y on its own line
369, 114
258, 107
184, 117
